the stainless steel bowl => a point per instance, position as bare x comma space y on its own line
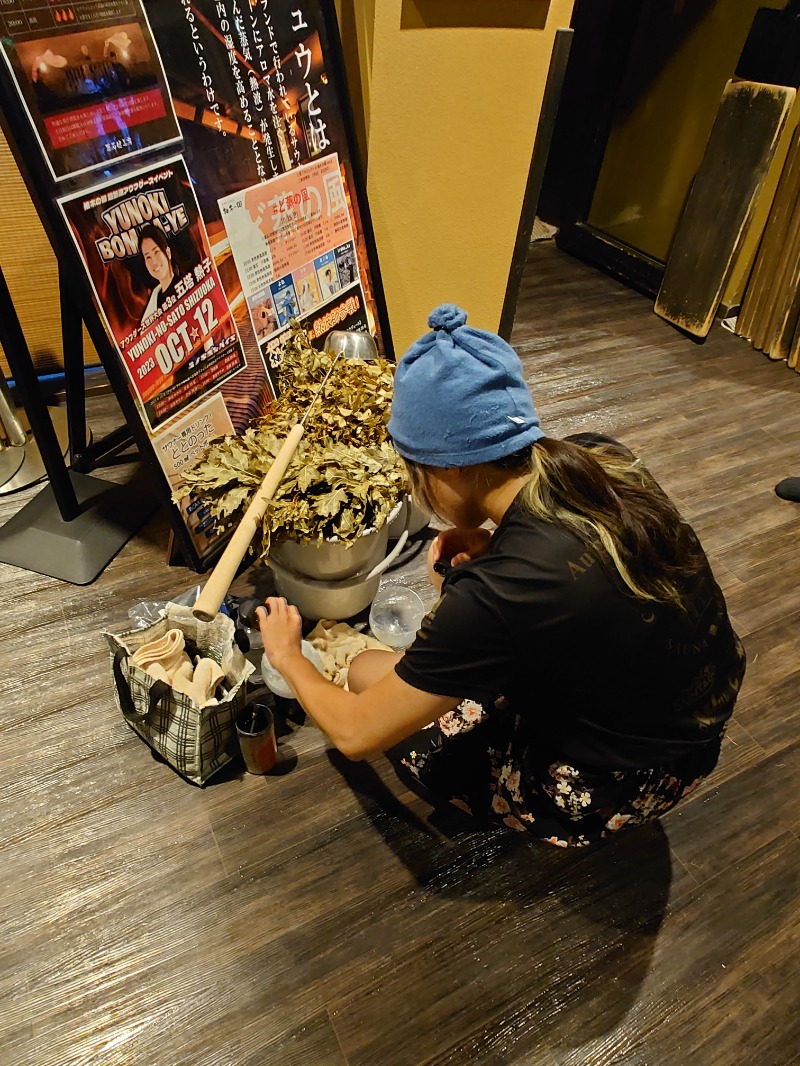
409, 516
333, 560
332, 599
352, 344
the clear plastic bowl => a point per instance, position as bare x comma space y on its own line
276, 682
396, 615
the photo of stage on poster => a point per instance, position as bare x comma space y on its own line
91, 81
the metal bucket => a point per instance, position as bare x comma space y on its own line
334, 560
335, 600
409, 516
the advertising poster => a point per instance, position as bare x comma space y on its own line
148, 257
292, 242
178, 446
91, 80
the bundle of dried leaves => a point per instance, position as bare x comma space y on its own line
345, 477
354, 407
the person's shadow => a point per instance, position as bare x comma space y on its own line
568, 934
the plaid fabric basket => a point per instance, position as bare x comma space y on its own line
195, 741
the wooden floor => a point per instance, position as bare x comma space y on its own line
310, 918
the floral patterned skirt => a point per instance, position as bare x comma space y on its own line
480, 766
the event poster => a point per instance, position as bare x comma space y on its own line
148, 257
292, 242
256, 95
91, 79
179, 445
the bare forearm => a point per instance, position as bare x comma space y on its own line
364, 723
383, 713
333, 709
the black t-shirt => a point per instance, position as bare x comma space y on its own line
601, 678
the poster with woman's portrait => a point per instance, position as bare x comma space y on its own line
150, 263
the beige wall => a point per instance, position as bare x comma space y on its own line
450, 117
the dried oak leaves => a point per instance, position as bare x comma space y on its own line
345, 476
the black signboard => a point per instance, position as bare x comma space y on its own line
192, 256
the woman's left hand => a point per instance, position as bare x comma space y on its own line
281, 630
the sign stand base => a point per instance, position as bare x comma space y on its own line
37, 538
31, 469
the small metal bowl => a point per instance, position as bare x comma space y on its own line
352, 344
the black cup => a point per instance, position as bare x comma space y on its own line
255, 727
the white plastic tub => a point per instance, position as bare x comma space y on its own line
336, 600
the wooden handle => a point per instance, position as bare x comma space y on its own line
216, 588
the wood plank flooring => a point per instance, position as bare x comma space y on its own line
325, 917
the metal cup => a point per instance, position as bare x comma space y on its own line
352, 344
255, 728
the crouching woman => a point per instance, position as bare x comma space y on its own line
579, 668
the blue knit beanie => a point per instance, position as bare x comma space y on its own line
460, 397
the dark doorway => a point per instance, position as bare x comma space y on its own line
642, 90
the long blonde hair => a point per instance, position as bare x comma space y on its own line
609, 500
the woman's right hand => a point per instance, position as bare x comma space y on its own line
456, 546
461, 545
